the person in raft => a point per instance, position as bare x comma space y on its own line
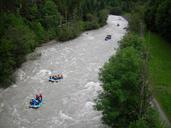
39, 97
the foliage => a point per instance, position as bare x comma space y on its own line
103, 17
158, 17
138, 124
116, 10
136, 23
91, 22
26, 24
121, 101
163, 19
69, 31
149, 120
39, 30
124, 101
16, 42
133, 40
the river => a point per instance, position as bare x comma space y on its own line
68, 103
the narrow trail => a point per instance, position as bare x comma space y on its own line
163, 116
68, 103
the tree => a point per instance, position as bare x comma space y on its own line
138, 124
38, 29
25, 24
103, 16
158, 17
51, 18
6, 64
125, 95
163, 19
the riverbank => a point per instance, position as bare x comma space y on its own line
124, 101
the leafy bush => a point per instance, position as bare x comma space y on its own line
41, 34
91, 25
69, 31
149, 120
133, 40
138, 124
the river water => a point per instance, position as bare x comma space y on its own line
68, 103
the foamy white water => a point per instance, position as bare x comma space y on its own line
68, 103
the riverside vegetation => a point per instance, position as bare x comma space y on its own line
26, 24
126, 80
125, 99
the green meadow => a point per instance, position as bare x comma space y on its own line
160, 70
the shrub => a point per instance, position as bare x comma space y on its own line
133, 40
38, 29
69, 31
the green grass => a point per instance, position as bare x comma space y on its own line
160, 70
